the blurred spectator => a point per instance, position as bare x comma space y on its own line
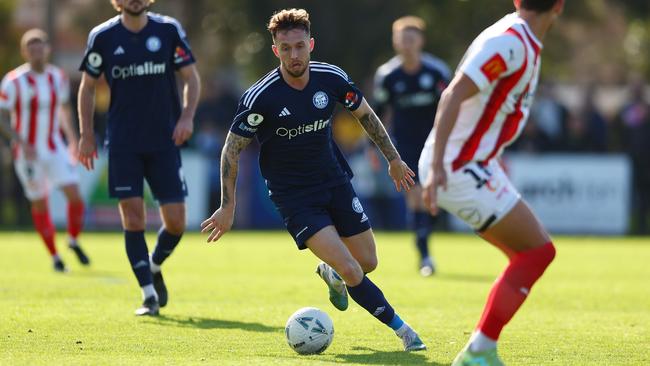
532, 139
549, 116
634, 120
213, 117
593, 125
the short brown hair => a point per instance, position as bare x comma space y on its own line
288, 19
539, 6
118, 8
409, 22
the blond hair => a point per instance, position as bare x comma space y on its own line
33, 34
288, 19
119, 8
409, 22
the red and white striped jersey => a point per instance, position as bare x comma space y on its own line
34, 100
503, 62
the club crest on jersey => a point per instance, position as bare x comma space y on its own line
426, 81
254, 119
356, 205
153, 44
320, 100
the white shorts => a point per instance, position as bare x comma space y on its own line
38, 176
478, 195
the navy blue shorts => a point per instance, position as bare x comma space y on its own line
162, 170
305, 215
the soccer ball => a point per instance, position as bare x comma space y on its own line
309, 331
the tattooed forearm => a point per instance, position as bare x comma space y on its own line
378, 134
230, 166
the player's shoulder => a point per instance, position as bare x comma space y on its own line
435, 64
102, 28
260, 88
505, 33
16, 73
389, 67
323, 69
166, 20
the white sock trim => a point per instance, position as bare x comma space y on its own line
148, 291
480, 342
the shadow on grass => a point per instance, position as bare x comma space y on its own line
464, 277
208, 323
374, 357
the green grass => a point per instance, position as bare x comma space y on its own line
229, 303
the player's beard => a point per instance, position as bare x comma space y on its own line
139, 12
299, 73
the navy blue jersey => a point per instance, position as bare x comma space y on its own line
293, 127
413, 98
139, 68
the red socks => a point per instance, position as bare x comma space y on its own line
512, 287
75, 218
44, 226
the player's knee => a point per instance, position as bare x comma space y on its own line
133, 220
351, 272
369, 264
175, 226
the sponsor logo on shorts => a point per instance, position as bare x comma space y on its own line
123, 189
470, 215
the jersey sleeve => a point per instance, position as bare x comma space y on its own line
346, 92
93, 61
182, 52
7, 94
247, 119
493, 59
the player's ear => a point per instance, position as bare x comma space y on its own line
311, 44
275, 50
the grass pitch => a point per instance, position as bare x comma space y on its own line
229, 302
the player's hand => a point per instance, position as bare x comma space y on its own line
87, 151
401, 174
437, 178
183, 131
218, 224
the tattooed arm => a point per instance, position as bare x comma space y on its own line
221, 221
401, 174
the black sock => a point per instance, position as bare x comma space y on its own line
165, 246
422, 223
372, 299
136, 250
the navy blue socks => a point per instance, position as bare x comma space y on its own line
136, 250
372, 299
165, 246
423, 223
